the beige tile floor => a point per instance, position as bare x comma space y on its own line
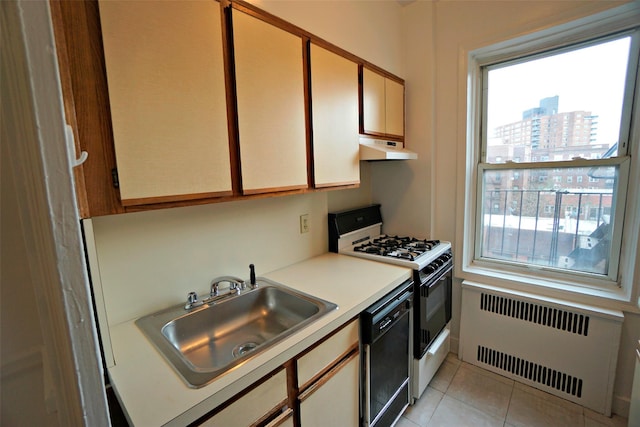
461, 395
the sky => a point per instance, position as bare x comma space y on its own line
589, 79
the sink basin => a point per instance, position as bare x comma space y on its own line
212, 339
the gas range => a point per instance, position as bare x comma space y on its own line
358, 233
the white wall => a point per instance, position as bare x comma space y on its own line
21, 345
370, 29
458, 27
404, 188
151, 260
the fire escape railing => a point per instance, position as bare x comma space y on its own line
546, 227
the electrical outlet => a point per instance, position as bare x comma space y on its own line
304, 223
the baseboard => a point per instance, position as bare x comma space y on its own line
620, 405
454, 343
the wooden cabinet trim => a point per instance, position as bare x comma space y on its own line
232, 106
327, 337
330, 373
306, 67
241, 394
177, 198
278, 420
304, 364
329, 369
69, 105
338, 184
81, 57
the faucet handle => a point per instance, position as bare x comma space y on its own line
235, 285
192, 301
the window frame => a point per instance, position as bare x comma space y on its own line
619, 284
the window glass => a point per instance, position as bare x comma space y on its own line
547, 119
571, 102
524, 219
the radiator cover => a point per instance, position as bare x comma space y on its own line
566, 349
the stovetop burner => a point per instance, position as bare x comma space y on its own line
397, 247
358, 232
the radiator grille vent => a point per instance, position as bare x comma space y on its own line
531, 371
536, 313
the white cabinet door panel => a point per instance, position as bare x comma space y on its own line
254, 405
271, 106
373, 102
166, 82
327, 352
334, 94
394, 105
336, 401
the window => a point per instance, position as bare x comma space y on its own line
542, 222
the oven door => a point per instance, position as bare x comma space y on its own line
433, 311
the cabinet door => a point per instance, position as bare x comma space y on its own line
254, 405
373, 102
394, 107
334, 400
321, 357
271, 106
166, 82
334, 106
383, 105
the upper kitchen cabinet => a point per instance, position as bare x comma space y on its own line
191, 102
382, 105
334, 117
269, 75
166, 81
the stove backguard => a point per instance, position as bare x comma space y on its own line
341, 223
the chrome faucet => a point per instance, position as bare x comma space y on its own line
236, 285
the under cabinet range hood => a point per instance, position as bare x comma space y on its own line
377, 149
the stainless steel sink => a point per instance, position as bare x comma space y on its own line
212, 339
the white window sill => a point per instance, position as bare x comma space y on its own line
612, 297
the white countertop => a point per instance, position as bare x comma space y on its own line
153, 394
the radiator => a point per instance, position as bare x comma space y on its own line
567, 349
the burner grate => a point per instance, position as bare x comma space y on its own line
408, 248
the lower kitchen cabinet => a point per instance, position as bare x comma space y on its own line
283, 420
263, 402
326, 392
333, 400
329, 382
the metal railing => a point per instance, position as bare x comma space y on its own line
544, 227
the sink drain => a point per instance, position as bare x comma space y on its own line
243, 349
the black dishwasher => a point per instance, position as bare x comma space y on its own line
386, 356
